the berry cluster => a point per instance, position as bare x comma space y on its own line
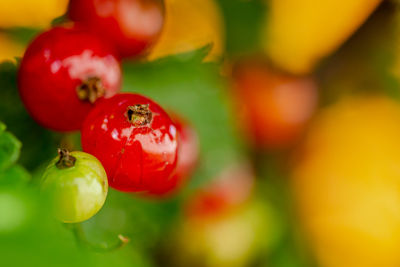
69, 79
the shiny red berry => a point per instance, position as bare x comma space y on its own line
132, 25
134, 139
188, 154
62, 73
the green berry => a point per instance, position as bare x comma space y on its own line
77, 184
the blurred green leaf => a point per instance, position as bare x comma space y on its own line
142, 220
39, 144
290, 248
9, 149
30, 236
243, 21
22, 35
10, 174
60, 20
15, 175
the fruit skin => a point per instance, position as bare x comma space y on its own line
132, 25
273, 107
190, 25
314, 28
346, 183
30, 14
55, 64
188, 155
135, 157
80, 191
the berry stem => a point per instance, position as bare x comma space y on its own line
139, 114
103, 247
66, 160
90, 90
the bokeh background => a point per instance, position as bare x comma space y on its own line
296, 105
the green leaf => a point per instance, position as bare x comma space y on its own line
39, 143
142, 220
194, 56
29, 236
9, 149
243, 20
2, 127
10, 174
14, 176
59, 20
22, 35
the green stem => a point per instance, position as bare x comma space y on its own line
82, 240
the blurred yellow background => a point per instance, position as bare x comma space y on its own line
346, 183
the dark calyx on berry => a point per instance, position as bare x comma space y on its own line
139, 114
90, 90
66, 160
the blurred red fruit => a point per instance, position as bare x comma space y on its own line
231, 188
274, 107
132, 25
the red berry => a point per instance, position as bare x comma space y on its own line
64, 70
188, 154
134, 139
132, 25
228, 191
275, 107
